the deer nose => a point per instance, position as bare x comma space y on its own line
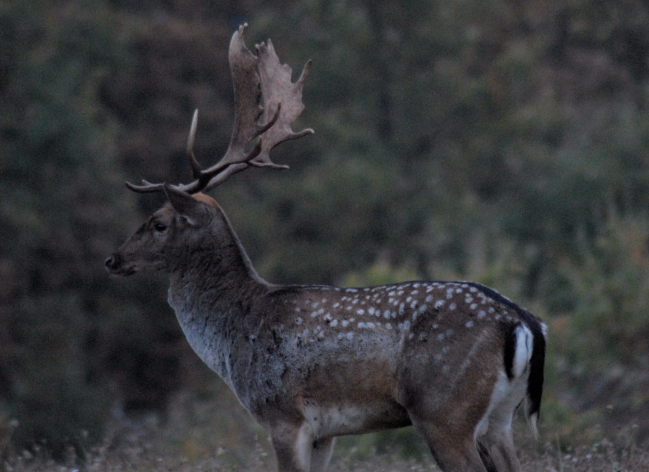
112, 262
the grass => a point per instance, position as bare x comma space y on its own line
138, 451
216, 434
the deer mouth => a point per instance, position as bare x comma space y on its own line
115, 266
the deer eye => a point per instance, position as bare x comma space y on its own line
160, 227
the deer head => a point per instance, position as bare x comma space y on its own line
262, 88
159, 241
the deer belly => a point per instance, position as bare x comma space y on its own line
350, 398
348, 418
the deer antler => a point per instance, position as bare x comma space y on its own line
282, 103
281, 95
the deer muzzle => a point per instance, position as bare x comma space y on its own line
114, 265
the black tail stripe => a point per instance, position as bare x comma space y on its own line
535, 381
510, 348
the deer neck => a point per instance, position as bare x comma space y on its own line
213, 285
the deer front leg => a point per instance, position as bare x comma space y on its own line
294, 447
320, 454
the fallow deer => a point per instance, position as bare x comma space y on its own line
454, 359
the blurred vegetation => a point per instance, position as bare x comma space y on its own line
501, 142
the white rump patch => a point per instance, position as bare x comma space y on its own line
523, 352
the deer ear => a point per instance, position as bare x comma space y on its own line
192, 210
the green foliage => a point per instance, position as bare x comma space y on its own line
49, 393
610, 280
601, 344
60, 214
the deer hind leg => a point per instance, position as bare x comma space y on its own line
453, 447
494, 432
497, 451
449, 419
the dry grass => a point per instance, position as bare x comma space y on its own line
138, 450
214, 435
138, 453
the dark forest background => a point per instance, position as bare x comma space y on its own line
504, 142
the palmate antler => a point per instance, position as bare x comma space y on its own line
254, 78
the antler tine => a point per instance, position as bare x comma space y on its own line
196, 167
146, 188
